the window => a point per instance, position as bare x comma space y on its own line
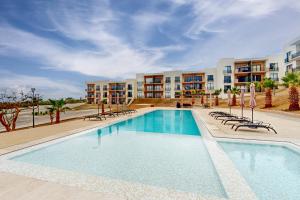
274, 76
177, 86
256, 78
288, 57
227, 69
139, 85
129, 94
177, 79
256, 68
227, 79
227, 87
98, 87
90, 87
168, 94
129, 86
105, 94
168, 87
140, 94
273, 67
168, 79
210, 77
210, 86
198, 78
104, 87
149, 80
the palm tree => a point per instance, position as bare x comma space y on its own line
51, 114
217, 93
292, 80
202, 93
57, 106
268, 84
193, 93
234, 91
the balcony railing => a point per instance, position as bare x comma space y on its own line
242, 81
227, 71
295, 55
275, 69
117, 88
241, 70
188, 80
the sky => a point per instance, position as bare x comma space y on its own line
56, 46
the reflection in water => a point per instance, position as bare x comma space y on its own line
252, 160
172, 122
99, 132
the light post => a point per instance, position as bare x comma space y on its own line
33, 96
37, 102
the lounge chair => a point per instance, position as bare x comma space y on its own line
216, 112
236, 119
107, 113
128, 110
95, 116
120, 112
221, 116
255, 125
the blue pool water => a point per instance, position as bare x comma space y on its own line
272, 171
161, 148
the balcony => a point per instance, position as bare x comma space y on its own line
275, 69
243, 70
90, 90
117, 88
227, 71
242, 81
296, 56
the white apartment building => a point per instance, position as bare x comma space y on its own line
228, 73
124, 91
292, 56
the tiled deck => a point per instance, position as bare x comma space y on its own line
23, 187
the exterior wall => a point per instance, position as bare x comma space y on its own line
275, 67
140, 85
225, 68
170, 88
211, 84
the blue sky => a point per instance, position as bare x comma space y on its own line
55, 46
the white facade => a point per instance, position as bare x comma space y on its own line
101, 90
228, 73
292, 56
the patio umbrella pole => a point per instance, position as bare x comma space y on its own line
252, 115
242, 111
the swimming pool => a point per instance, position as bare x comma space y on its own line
272, 171
163, 148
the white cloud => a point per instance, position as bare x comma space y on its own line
91, 23
210, 14
44, 86
105, 51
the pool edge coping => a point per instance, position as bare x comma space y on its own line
75, 133
234, 184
